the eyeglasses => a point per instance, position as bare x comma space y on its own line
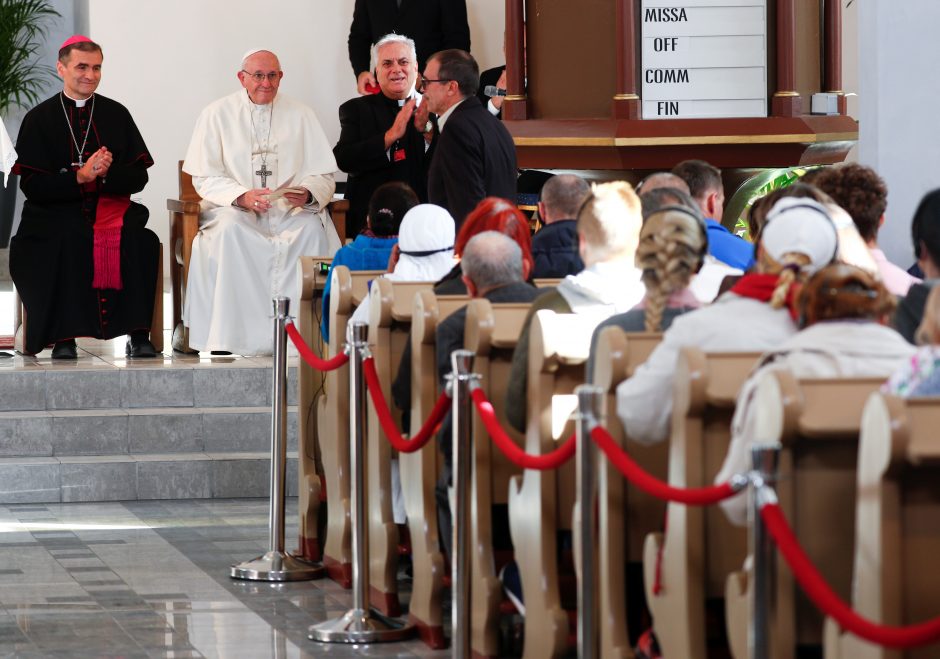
259, 77
424, 82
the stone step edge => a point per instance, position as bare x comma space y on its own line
140, 457
138, 411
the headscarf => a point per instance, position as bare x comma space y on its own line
425, 244
802, 226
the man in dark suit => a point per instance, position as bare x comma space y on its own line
495, 77
433, 24
382, 135
474, 156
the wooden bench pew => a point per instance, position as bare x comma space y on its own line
347, 290
625, 514
897, 524
817, 423
700, 547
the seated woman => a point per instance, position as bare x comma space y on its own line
673, 244
843, 312
920, 376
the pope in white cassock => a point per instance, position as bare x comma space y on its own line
245, 147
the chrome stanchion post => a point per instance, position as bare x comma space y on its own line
361, 624
461, 380
765, 459
276, 564
590, 413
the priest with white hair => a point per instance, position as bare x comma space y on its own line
264, 169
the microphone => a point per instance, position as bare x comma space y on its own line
493, 90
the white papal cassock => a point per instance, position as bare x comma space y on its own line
241, 259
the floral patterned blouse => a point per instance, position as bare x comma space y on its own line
920, 377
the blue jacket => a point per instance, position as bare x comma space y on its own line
364, 253
555, 251
727, 247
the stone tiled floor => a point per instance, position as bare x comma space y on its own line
150, 579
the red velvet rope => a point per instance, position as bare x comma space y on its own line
700, 496
505, 444
398, 442
308, 356
830, 603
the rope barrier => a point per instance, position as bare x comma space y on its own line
308, 355
700, 496
505, 444
399, 443
830, 603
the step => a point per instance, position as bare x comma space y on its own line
131, 477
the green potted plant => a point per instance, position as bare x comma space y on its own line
23, 27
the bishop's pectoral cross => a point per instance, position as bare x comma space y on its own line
80, 163
264, 173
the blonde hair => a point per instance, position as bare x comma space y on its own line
928, 332
609, 221
790, 271
671, 248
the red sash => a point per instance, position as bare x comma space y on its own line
109, 218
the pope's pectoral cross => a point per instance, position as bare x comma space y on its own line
264, 173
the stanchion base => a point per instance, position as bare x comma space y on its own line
362, 627
276, 566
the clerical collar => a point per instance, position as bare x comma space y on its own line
79, 102
441, 120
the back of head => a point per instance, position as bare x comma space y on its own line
496, 214
844, 292
388, 206
928, 333
459, 66
658, 198
661, 180
798, 240
563, 195
700, 176
609, 222
860, 191
492, 259
757, 216
672, 248
925, 228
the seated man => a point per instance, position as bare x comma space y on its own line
705, 186
608, 232
372, 249
250, 239
925, 229
383, 136
83, 262
555, 245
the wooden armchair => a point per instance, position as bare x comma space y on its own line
184, 225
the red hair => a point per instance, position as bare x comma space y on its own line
496, 214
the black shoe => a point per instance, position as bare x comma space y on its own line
219, 353
139, 348
65, 350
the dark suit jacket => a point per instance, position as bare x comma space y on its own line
490, 77
433, 24
360, 153
474, 158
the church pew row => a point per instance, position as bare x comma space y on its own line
625, 514
390, 310
692, 559
817, 422
897, 524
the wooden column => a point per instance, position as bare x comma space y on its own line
786, 100
515, 106
832, 30
626, 101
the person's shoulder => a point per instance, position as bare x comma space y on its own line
358, 102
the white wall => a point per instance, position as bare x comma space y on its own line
166, 60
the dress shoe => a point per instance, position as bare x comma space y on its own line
220, 353
139, 348
65, 350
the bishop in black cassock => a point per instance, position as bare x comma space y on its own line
82, 260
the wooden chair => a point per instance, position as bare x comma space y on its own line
700, 547
625, 515
310, 386
817, 423
897, 524
184, 225
491, 332
348, 289
389, 329
156, 322
420, 470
